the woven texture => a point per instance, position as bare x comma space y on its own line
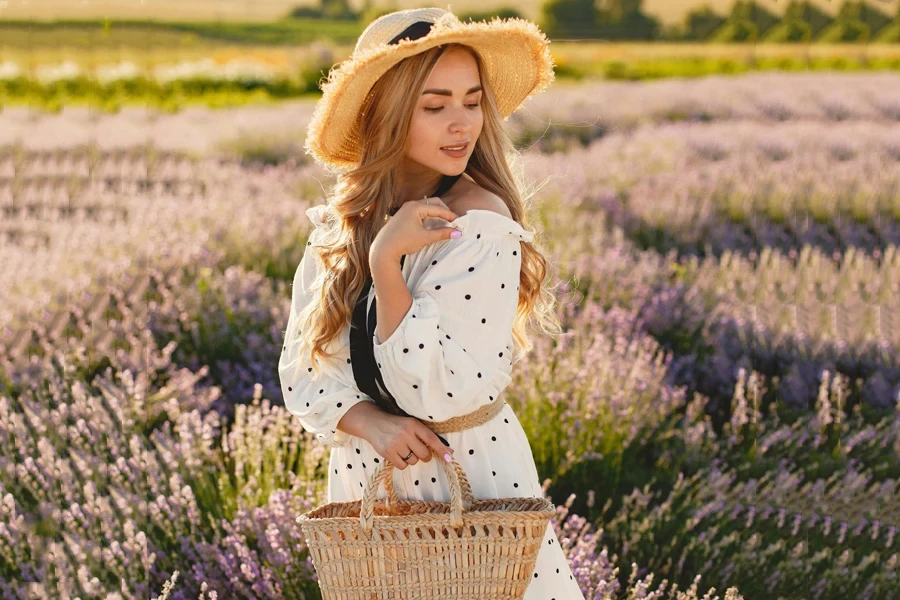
514, 51
390, 548
473, 419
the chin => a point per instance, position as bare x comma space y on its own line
445, 170
453, 167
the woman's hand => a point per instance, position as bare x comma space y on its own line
393, 436
405, 232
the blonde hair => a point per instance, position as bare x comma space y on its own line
360, 201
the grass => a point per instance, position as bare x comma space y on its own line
283, 47
115, 33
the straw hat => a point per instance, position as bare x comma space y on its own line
515, 53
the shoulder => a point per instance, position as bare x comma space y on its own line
474, 197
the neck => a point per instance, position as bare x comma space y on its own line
416, 187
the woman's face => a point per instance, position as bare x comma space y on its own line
448, 113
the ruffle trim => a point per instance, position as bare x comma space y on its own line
316, 215
488, 223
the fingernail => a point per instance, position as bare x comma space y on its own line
447, 458
446, 443
456, 234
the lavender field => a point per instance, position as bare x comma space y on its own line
725, 396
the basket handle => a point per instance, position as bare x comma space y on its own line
461, 497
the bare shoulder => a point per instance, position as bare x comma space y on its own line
474, 197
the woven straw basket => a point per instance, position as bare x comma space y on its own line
388, 548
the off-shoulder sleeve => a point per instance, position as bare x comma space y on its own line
451, 353
319, 404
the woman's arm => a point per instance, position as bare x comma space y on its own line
322, 403
394, 299
359, 420
445, 349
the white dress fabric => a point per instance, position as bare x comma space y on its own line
450, 355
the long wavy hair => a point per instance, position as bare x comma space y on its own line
359, 203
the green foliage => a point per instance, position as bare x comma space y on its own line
503, 13
748, 21
571, 19
369, 11
889, 34
142, 91
582, 19
629, 23
675, 67
217, 93
789, 31
327, 9
273, 33
802, 22
641, 70
855, 22
699, 23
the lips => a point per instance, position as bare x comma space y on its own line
463, 146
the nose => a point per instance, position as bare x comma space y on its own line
461, 122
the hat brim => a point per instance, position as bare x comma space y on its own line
517, 63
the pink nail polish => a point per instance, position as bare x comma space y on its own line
447, 458
455, 234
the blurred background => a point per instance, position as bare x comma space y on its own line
720, 205
167, 53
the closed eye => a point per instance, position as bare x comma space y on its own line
476, 105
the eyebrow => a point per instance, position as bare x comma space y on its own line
449, 93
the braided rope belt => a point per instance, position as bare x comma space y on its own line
468, 421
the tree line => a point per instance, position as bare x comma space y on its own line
747, 21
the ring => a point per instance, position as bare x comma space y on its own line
408, 455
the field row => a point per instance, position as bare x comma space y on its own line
696, 189
785, 305
185, 343
725, 392
233, 79
552, 121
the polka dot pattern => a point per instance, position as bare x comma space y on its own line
450, 355
321, 403
459, 345
497, 460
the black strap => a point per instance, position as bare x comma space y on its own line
415, 31
362, 353
447, 182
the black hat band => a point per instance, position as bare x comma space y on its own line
413, 32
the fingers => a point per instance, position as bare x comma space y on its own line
396, 456
397, 460
421, 451
434, 201
422, 442
447, 233
409, 441
437, 208
434, 443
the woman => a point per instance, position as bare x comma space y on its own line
400, 338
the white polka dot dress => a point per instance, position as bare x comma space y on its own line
450, 355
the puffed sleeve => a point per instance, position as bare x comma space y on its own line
451, 353
319, 404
